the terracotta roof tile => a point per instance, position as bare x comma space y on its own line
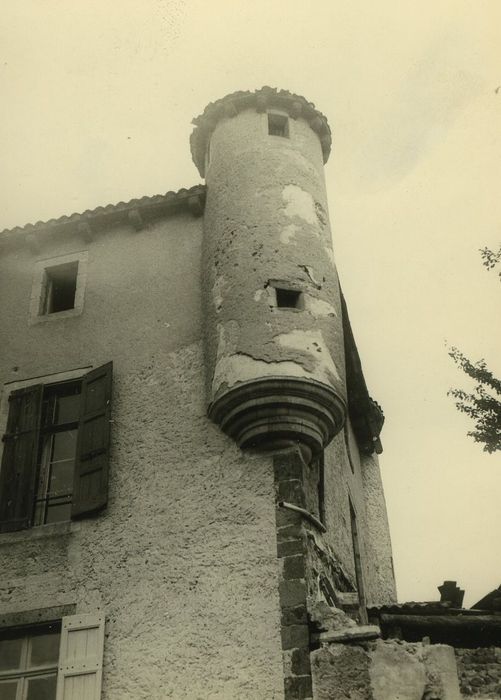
150, 207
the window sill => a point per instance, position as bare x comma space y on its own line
39, 532
56, 316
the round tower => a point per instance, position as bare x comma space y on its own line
274, 334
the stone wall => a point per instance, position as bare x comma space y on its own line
384, 670
480, 672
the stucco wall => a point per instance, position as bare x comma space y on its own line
266, 221
183, 561
356, 478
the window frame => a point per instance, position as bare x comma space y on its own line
78, 664
287, 287
37, 312
24, 672
284, 120
45, 463
91, 464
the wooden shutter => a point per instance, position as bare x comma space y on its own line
19, 461
80, 667
90, 489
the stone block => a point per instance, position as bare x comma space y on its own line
288, 466
294, 636
294, 567
292, 593
300, 662
288, 517
342, 672
285, 549
395, 673
291, 491
294, 616
440, 663
297, 687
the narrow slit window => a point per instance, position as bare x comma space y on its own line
278, 125
289, 298
60, 285
318, 463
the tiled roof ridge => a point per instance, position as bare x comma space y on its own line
230, 105
183, 195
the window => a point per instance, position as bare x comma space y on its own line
59, 288
289, 298
28, 663
318, 467
349, 443
358, 563
278, 125
60, 659
55, 458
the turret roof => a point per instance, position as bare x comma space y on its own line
295, 105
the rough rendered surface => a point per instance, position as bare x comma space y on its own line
183, 561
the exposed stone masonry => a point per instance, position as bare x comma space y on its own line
479, 672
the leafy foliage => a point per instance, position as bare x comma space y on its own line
483, 406
491, 258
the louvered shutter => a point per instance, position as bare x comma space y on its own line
90, 489
19, 461
80, 667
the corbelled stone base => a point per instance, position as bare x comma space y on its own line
275, 413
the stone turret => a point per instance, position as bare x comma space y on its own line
274, 329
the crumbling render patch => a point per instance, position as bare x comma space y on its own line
311, 274
299, 203
228, 333
241, 367
288, 234
319, 307
330, 255
313, 343
217, 292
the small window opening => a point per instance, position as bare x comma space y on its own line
278, 125
60, 287
358, 564
289, 298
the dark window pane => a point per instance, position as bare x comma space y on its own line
288, 298
67, 409
278, 125
61, 284
95, 395
64, 445
44, 649
61, 478
8, 690
10, 653
42, 688
57, 513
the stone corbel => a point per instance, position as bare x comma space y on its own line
85, 231
33, 242
135, 219
195, 205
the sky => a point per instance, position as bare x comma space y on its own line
97, 104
